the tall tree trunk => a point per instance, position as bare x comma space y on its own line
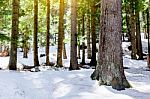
133, 36
148, 31
14, 35
25, 44
35, 41
109, 70
47, 32
88, 38
73, 51
60, 34
138, 36
93, 59
83, 42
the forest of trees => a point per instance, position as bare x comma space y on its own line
83, 24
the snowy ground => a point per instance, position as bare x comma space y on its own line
64, 84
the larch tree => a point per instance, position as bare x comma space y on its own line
14, 35
73, 51
109, 70
60, 34
35, 41
47, 32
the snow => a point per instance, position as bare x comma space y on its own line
63, 84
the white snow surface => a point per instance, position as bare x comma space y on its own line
64, 84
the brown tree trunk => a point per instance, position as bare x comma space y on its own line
14, 35
88, 38
148, 31
47, 32
60, 34
93, 59
109, 70
35, 41
25, 46
79, 57
133, 36
73, 51
64, 51
138, 36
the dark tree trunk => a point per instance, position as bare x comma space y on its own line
93, 59
14, 35
79, 57
83, 42
148, 31
138, 36
47, 32
35, 41
109, 70
73, 51
88, 38
60, 34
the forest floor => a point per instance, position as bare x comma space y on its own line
51, 83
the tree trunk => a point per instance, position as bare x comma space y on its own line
73, 51
83, 42
93, 59
25, 46
64, 51
35, 41
79, 57
133, 36
148, 31
14, 35
60, 34
88, 38
138, 37
109, 70
47, 32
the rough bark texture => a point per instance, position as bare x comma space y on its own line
47, 32
93, 59
60, 34
109, 70
73, 52
133, 36
35, 41
14, 35
138, 37
89, 54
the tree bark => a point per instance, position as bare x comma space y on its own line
73, 51
14, 35
109, 70
93, 59
83, 42
60, 34
35, 41
47, 32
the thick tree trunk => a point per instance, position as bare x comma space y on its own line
93, 59
35, 41
138, 37
109, 70
14, 35
60, 34
88, 38
47, 32
73, 51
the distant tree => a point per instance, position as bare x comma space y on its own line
35, 41
14, 35
109, 70
47, 32
73, 51
60, 34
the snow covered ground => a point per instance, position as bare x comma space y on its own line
64, 84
